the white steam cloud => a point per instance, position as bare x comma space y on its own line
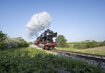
38, 22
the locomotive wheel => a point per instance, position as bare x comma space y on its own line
49, 48
45, 47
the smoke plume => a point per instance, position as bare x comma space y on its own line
38, 22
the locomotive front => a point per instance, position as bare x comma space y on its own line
45, 40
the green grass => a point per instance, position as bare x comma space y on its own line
99, 51
28, 60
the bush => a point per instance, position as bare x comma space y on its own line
6, 42
13, 43
3, 45
3, 36
23, 44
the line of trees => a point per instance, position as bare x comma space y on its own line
62, 42
7, 43
87, 44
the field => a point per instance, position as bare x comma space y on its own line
29, 60
99, 51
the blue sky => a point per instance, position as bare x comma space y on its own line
77, 20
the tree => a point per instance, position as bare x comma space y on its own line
61, 41
3, 36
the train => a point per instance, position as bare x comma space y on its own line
45, 40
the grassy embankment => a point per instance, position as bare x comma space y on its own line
99, 51
28, 60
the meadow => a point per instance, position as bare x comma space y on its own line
99, 51
31, 60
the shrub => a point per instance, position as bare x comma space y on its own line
3, 45
13, 43
3, 36
6, 42
22, 42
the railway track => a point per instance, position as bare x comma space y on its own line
78, 55
91, 59
86, 56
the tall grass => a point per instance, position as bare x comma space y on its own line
28, 60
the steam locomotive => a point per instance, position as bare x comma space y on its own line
45, 40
